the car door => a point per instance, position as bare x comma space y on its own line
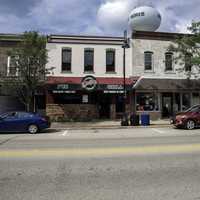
10, 122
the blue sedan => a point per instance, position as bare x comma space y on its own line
23, 122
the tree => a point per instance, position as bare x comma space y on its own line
29, 60
187, 49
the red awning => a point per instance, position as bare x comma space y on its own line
100, 80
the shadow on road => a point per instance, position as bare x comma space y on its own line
51, 130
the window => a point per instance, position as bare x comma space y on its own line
88, 60
66, 59
168, 61
148, 63
188, 62
11, 67
147, 102
110, 60
185, 101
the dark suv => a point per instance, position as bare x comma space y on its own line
188, 119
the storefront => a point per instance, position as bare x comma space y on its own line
162, 98
86, 98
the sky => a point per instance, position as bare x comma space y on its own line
91, 17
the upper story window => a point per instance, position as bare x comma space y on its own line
66, 59
88, 59
110, 60
168, 61
148, 60
188, 62
11, 67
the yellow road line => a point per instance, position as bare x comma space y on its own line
114, 151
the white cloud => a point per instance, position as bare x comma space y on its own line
96, 17
113, 16
176, 15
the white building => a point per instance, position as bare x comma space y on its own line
153, 81
87, 80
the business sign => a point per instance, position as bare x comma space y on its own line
62, 87
89, 83
115, 87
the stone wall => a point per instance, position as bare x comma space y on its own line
82, 112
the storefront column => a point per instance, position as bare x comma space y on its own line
49, 98
181, 100
132, 102
113, 107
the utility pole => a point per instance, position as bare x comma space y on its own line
124, 46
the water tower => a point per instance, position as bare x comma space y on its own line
144, 18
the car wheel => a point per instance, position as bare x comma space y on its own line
190, 124
33, 129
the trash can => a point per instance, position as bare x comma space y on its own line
134, 120
145, 119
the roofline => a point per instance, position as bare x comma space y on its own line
84, 36
10, 37
158, 35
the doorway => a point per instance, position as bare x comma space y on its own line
167, 105
104, 106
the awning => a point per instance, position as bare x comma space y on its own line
166, 84
103, 83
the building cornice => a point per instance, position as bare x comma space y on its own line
157, 35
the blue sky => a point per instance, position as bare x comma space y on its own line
90, 17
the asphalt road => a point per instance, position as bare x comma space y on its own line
136, 164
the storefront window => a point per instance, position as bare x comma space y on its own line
185, 101
177, 103
147, 102
195, 98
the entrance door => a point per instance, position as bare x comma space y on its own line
104, 106
167, 102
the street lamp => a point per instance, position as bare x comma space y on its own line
124, 46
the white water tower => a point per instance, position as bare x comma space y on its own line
144, 18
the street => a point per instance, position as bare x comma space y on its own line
103, 164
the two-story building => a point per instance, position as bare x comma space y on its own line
163, 87
8, 100
87, 80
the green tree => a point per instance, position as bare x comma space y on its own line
187, 51
29, 60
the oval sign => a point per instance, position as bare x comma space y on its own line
89, 83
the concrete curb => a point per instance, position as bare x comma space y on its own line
111, 127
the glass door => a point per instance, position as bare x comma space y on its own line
167, 102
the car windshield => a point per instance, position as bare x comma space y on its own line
193, 109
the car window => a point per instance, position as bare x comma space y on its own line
8, 115
24, 115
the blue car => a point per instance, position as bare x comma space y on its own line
23, 122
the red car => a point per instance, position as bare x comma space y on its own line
188, 119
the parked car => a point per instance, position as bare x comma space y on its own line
23, 122
188, 119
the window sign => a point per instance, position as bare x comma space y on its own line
85, 98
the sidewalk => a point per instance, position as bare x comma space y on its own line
105, 124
